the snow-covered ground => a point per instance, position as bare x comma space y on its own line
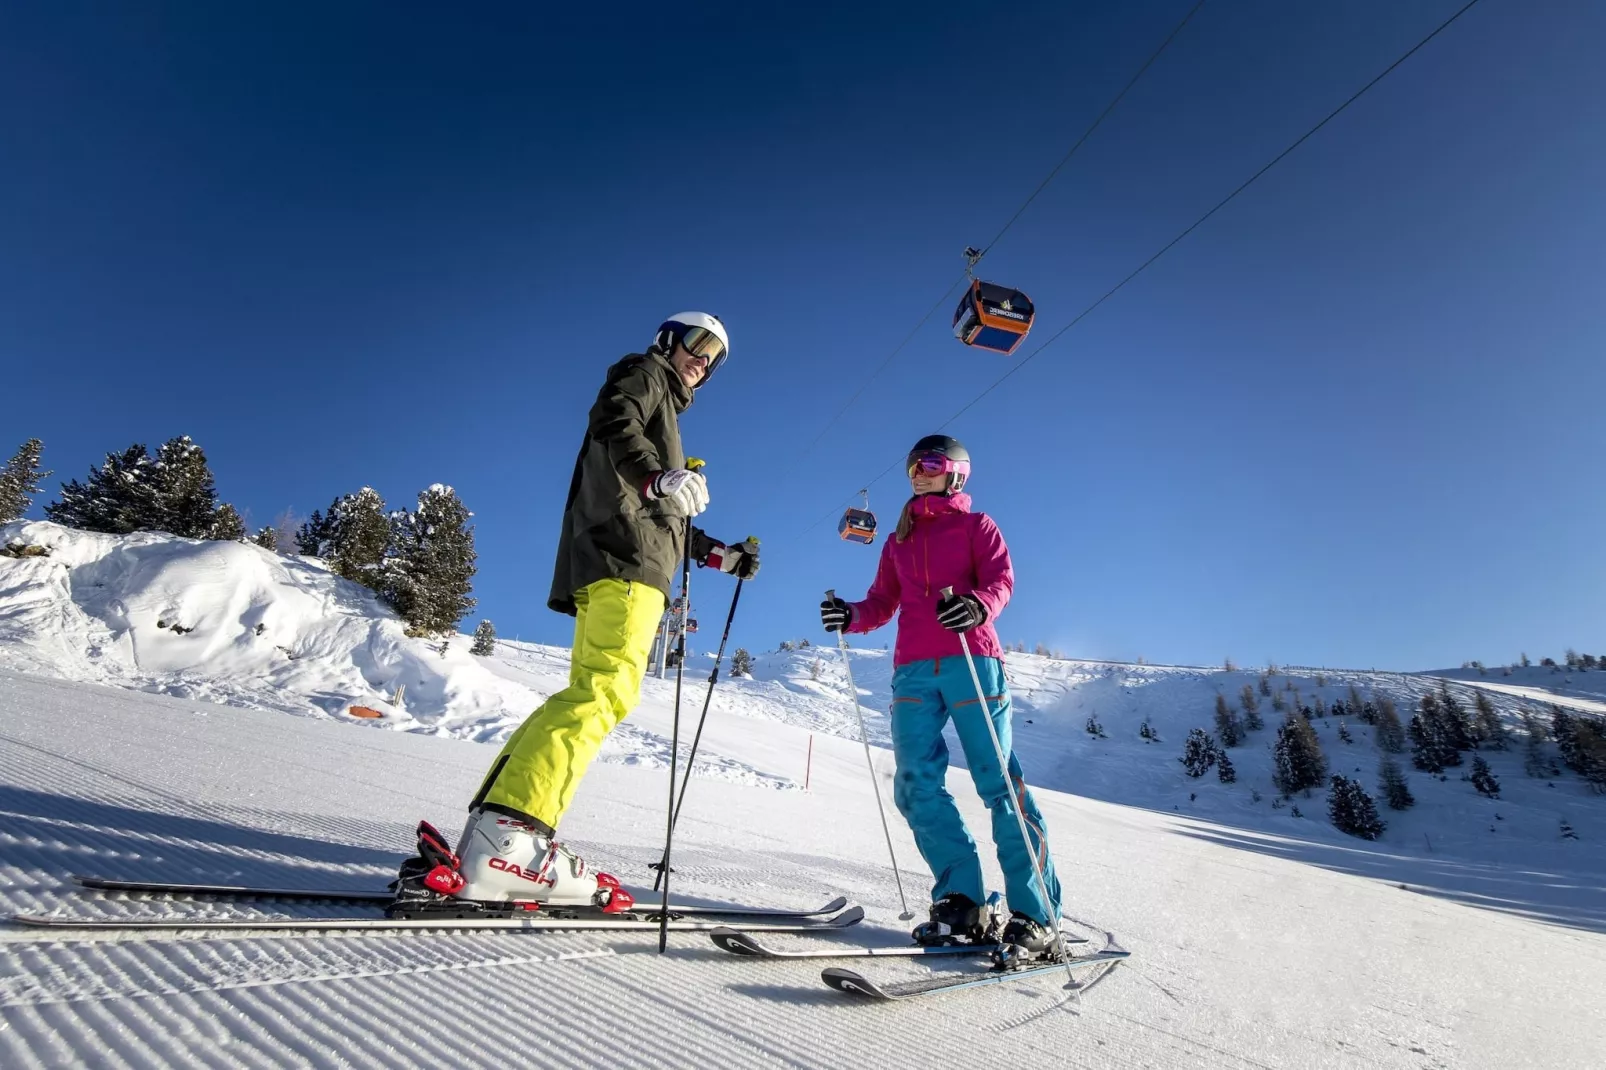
1471, 934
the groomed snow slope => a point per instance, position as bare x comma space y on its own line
281, 633
1243, 958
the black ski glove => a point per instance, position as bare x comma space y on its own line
960, 613
739, 559
836, 615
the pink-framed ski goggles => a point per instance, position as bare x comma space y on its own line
933, 463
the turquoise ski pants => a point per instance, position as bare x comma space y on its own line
925, 694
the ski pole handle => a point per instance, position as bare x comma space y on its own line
947, 592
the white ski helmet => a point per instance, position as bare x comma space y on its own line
701, 333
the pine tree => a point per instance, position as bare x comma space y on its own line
1227, 726
20, 479
1343, 732
1321, 707
1432, 734
1390, 733
186, 492
741, 662
1525, 662
1279, 704
268, 539
1265, 684
430, 578
1368, 714
1564, 730
484, 639
1355, 705
118, 498
1533, 745
226, 525
316, 535
1483, 779
1224, 770
1591, 758
1395, 790
1425, 748
1251, 705
359, 533
1486, 726
1582, 743
1199, 753
1299, 762
1351, 809
1457, 725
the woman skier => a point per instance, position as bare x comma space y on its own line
940, 543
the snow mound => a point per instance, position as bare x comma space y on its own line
230, 623
234, 624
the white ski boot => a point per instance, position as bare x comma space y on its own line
503, 859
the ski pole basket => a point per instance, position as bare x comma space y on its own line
858, 525
993, 317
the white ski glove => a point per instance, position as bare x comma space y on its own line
683, 492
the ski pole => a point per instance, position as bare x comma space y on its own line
691, 760
1018, 798
674, 732
853, 694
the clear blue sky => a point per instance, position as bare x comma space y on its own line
1355, 419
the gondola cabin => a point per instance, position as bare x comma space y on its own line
857, 525
993, 317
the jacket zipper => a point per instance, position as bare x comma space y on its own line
925, 553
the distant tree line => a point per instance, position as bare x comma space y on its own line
1572, 660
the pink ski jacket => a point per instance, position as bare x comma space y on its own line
950, 546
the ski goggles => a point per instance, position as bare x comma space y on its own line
935, 464
702, 342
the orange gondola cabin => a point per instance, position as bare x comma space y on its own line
993, 317
857, 525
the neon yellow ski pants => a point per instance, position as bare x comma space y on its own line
543, 760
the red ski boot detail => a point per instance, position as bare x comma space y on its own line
444, 879
619, 900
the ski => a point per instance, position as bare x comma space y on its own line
532, 921
231, 891
857, 984
234, 891
739, 942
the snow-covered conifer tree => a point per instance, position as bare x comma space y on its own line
20, 479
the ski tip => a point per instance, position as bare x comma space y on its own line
735, 941
834, 905
40, 921
851, 916
854, 984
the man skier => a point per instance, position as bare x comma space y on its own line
625, 526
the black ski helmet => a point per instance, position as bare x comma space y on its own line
949, 448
